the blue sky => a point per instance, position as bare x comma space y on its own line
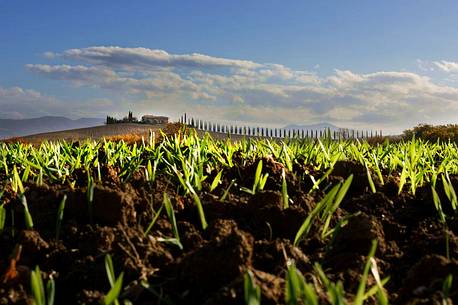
387, 64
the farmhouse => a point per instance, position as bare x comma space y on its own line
153, 119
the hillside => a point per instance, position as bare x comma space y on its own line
129, 130
22, 127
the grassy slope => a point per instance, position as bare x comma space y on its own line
114, 130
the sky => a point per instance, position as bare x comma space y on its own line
385, 65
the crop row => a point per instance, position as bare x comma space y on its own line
187, 159
195, 165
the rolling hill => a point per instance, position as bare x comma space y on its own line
16, 128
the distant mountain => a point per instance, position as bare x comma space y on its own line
16, 128
319, 126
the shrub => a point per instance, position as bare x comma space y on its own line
433, 133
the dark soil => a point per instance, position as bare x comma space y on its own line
245, 232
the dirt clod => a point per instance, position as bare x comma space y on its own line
356, 237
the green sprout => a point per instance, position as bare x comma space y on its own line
90, 198
446, 288
115, 283
171, 215
259, 180
443, 220
297, 289
216, 181
450, 191
2, 217
200, 208
327, 206
369, 179
40, 297
153, 221
252, 292
60, 216
316, 183
27, 215
335, 291
284, 190
226, 192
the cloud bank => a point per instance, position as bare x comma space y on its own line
140, 58
21, 103
18, 103
148, 80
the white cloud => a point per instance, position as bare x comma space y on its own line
143, 58
154, 80
447, 66
77, 74
18, 103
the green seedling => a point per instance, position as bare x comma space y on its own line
27, 216
418, 162
284, 190
327, 206
198, 203
115, 283
226, 192
297, 289
450, 191
60, 216
369, 179
153, 221
285, 155
377, 168
380, 291
307, 224
443, 220
324, 150
151, 170
446, 288
335, 291
216, 181
402, 180
152, 139
90, 198
360, 293
40, 297
25, 174
259, 180
2, 217
331, 208
16, 184
316, 183
438, 205
340, 224
171, 216
252, 292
